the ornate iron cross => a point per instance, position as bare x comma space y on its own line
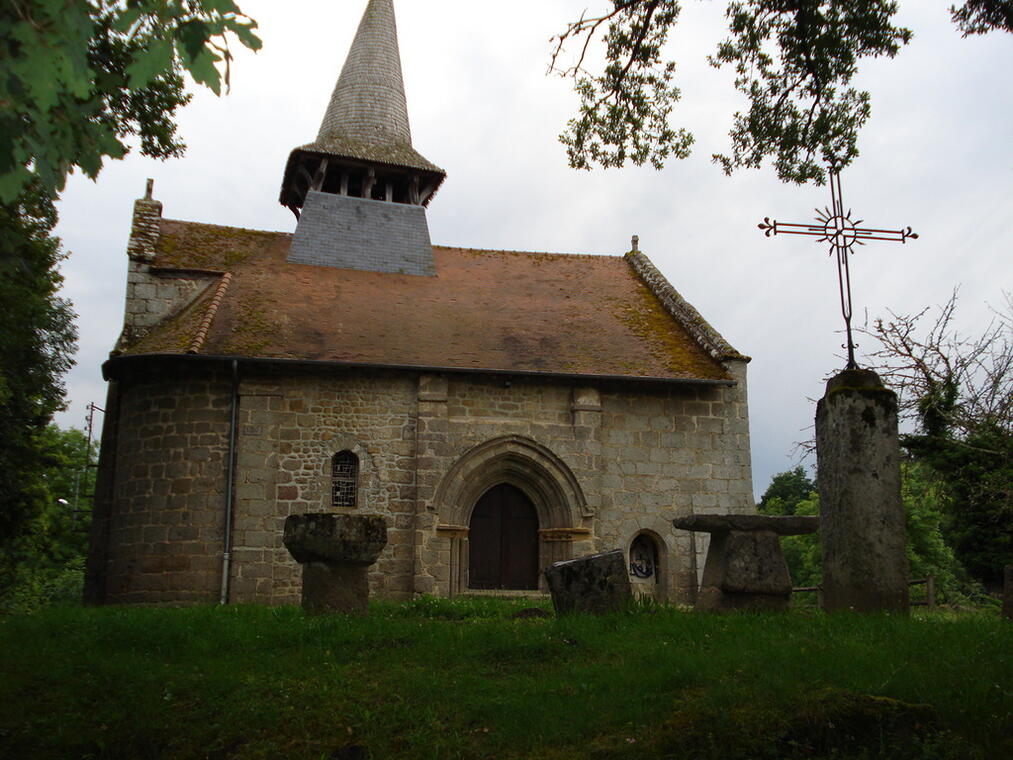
838, 229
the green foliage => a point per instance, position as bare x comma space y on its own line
43, 563
803, 553
624, 111
926, 502
977, 473
785, 491
258, 682
81, 76
37, 341
958, 392
794, 62
982, 16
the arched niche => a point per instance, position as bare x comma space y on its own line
647, 559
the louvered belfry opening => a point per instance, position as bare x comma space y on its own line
344, 479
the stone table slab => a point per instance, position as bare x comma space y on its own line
782, 525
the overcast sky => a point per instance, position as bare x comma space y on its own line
937, 155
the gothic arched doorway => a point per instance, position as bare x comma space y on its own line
503, 540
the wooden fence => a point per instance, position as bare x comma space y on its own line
929, 583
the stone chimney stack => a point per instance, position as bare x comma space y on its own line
144, 229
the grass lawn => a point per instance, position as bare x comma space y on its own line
440, 679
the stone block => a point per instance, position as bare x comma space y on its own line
335, 551
863, 534
791, 525
597, 583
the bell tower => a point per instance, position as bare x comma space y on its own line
360, 189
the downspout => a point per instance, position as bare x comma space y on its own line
230, 485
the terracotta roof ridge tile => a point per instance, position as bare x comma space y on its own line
209, 316
681, 310
470, 249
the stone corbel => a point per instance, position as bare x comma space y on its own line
452, 531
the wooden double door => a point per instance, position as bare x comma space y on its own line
503, 541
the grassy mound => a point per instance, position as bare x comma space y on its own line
467, 679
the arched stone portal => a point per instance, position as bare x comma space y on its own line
533, 470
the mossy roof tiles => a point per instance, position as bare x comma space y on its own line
485, 310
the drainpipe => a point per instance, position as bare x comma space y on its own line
229, 485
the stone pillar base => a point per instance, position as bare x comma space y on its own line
328, 588
862, 532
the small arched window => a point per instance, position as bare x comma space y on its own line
344, 479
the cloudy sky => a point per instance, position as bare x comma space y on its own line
937, 155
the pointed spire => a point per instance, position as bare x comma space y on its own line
368, 102
364, 146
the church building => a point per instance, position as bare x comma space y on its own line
502, 410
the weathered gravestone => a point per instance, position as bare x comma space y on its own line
745, 567
335, 551
862, 530
596, 583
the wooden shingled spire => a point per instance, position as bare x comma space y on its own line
364, 147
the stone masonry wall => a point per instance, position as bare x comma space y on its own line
289, 429
602, 463
646, 455
166, 521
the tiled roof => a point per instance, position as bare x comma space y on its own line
485, 310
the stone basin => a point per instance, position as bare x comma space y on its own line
335, 539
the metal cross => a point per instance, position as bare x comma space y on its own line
838, 229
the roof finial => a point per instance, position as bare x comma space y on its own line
636, 243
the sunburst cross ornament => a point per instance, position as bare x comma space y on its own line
842, 232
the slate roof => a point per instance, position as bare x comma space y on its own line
485, 310
367, 116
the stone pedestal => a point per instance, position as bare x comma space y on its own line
597, 583
862, 530
335, 551
745, 568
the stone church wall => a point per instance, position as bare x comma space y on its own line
165, 525
640, 455
289, 429
601, 462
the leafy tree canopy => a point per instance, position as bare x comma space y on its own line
82, 76
785, 492
45, 563
37, 341
794, 62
